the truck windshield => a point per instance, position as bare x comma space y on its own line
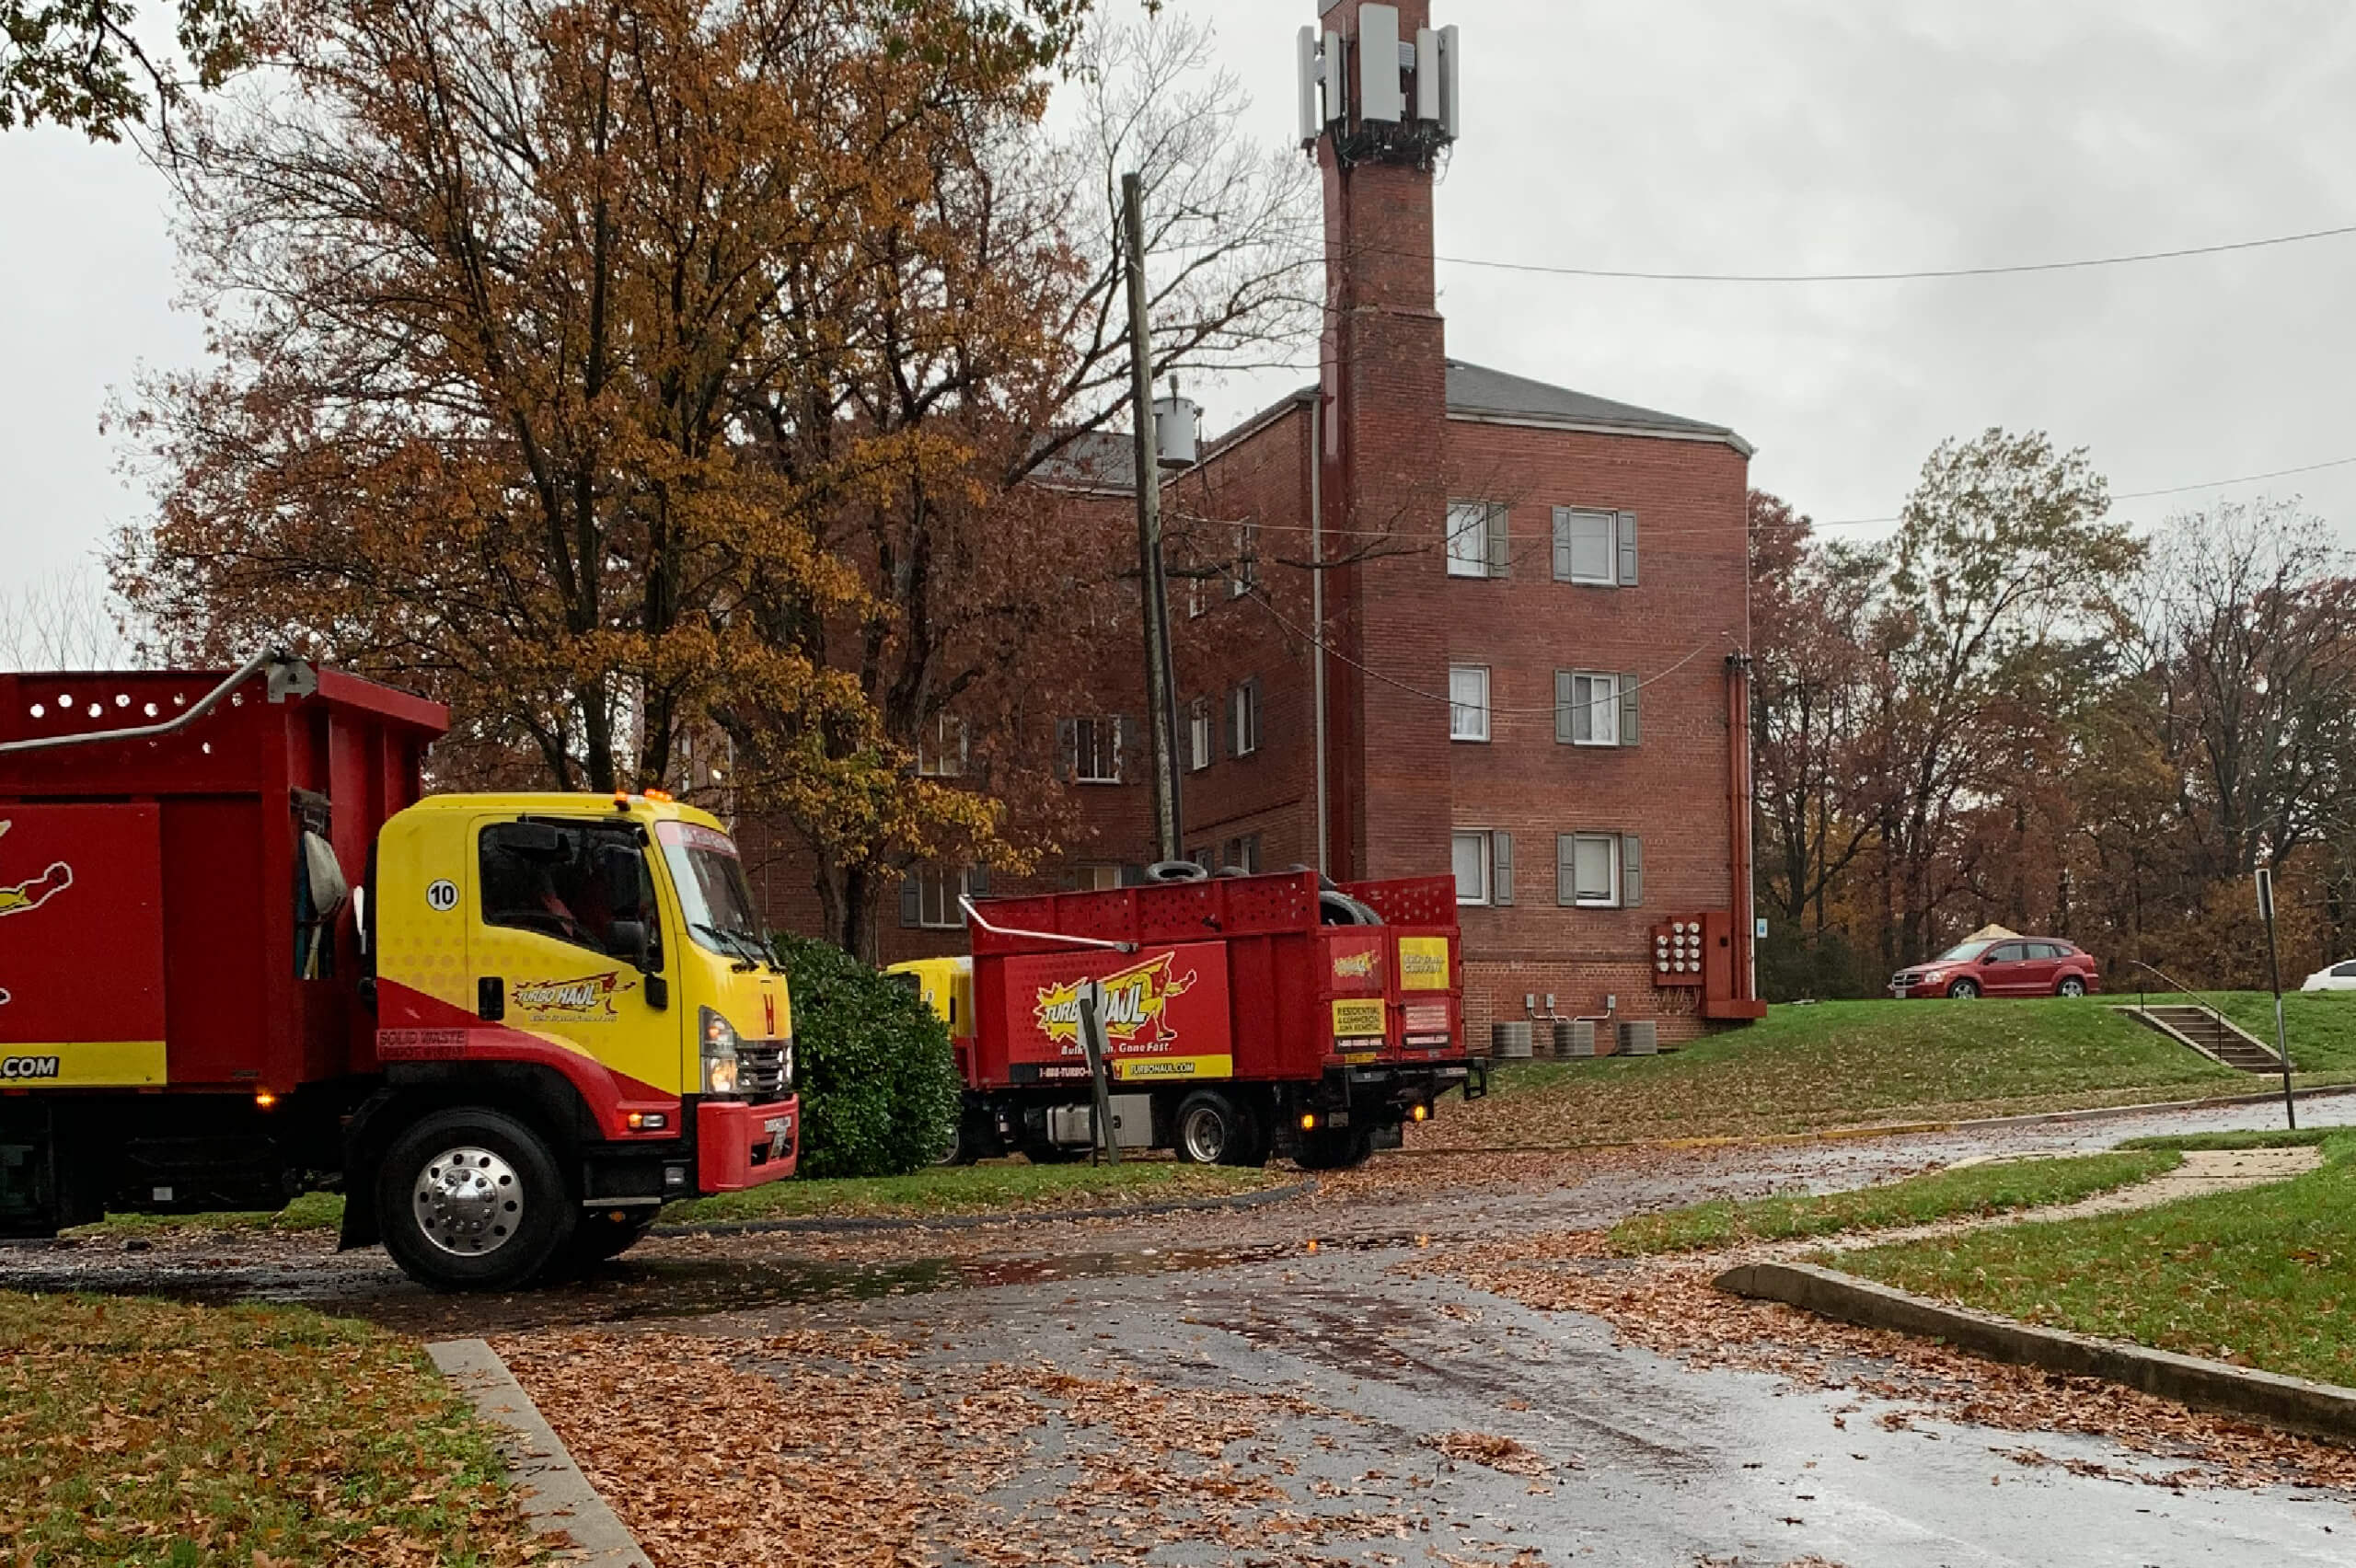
714, 892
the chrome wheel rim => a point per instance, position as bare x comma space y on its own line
2074, 987
468, 1201
1205, 1136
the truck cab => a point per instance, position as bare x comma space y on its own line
600, 965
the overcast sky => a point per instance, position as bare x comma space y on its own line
1708, 135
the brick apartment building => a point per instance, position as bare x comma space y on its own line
1534, 626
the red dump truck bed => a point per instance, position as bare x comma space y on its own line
1228, 978
151, 927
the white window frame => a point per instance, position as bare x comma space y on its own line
944, 748
1580, 898
1245, 573
1609, 522
1243, 719
1485, 843
1468, 721
1096, 879
1199, 734
937, 895
1468, 538
1600, 715
1089, 760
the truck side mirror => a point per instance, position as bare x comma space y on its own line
624, 873
629, 940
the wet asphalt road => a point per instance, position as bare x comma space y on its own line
1658, 1464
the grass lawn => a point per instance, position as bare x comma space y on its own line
997, 1187
150, 1435
2321, 1024
1843, 1064
2265, 1277
1974, 1190
1011, 1187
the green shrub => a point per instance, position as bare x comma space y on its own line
878, 1087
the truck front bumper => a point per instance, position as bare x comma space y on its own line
740, 1146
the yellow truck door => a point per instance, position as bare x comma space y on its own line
566, 910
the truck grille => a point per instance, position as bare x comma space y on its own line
764, 1068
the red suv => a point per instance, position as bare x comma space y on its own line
2009, 967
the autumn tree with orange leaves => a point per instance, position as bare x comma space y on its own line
657, 383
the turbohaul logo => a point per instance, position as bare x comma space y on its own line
1136, 1005
589, 999
23, 899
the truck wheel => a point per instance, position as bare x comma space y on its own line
1334, 1148
1210, 1130
472, 1200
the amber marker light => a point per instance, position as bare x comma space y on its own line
264, 1099
660, 797
1421, 1112
1309, 1122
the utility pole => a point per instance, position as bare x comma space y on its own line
1162, 701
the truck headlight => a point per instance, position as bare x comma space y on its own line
719, 1052
785, 1068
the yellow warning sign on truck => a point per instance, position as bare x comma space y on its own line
1357, 1018
1422, 963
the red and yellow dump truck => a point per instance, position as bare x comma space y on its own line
1245, 1017
242, 954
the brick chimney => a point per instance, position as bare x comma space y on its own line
1384, 376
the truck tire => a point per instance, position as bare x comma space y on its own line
1210, 1129
471, 1199
1334, 1148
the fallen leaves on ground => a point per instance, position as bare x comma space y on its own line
811, 1449
1487, 1448
146, 1435
1671, 1307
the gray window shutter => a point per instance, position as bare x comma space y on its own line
1627, 550
1066, 746
1566, 869
1565, 698
978, 881
911, 911
1500, 542
1632, 689
1632, 872
1501, 867
1562, 544
1132, 875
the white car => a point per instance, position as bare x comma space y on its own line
2338, 977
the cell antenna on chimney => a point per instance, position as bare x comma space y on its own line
1383, 98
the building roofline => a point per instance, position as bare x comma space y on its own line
1592, 427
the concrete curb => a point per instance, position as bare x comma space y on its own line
979, 1221
2293, 1404
557, 1499
2112, 1112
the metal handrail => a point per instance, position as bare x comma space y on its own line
2142, 1000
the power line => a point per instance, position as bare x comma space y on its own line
1256, 596
2139, 495
1907, 275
